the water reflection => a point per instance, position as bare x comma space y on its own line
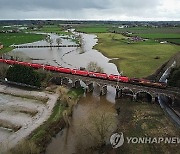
69, 56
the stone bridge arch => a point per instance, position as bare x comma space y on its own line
65, 80
144, 96
56, 80
127, 92
89, 86
76, 83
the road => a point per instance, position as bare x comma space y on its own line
163, 101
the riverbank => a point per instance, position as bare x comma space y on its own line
53, 125
56, 122
138, 59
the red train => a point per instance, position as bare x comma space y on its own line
148, 83
105, 76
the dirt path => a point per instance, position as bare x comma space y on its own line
44, 111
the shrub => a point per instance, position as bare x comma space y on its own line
23, 74
174, 79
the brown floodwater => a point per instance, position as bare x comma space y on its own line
66, 141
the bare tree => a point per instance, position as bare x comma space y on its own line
49, 40
96, 129
93, 66
58, 41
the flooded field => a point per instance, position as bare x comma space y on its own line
20, 116
16, 114
72, 57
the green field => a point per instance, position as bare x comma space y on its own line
135, 59
53, 29
148, 30
8, 39
92, 29
160, 36
170, 34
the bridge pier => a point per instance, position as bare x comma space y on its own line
76, 84
103, 90
134, 97
153, 99
118, 93
90, 87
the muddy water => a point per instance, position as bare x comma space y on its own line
66, 141
72, 57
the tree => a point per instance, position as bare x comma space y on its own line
93, 66
23, 74
96, 129
174, 79
49, 40
58, 41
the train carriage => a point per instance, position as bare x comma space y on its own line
63, 70
80, 72
98, 75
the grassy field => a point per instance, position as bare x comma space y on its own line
92, 29
148, 30
8, 39
170, 34
160, 36
54, 29
136, 59
138, 119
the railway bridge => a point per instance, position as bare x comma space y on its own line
136, 92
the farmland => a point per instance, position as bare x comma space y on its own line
53, 29
148, 30
93, 29
170, 34
8, 39
136, 59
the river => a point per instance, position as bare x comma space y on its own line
67, 140
72, 57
